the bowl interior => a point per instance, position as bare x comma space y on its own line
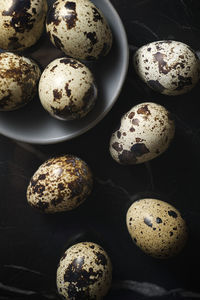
32, 124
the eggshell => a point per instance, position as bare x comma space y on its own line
168, 67
79, 29
84, 272
19, 78
145, 132
21, 23
156, 227
67, 89
60, 184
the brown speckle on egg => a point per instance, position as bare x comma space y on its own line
157, 226
84, 272
71, 17
60, 184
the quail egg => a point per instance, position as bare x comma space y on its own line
156, 227
19, 77
60, 184
145, 132
21, 23
168, 67
79, 29
84, 272
67, 89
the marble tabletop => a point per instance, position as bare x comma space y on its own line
31, 243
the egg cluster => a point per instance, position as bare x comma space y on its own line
67, 87
67, 90
146, 131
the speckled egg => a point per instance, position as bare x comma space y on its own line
79, 29
145, 132
21, 23
168, 67
156, 227
84, 272
19, 78
60, 184
67, 89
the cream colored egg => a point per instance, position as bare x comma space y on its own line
60, 184
145, 132
156, 227
19, 78
168, 67
21, 23
84, 272
79, 29
67, 89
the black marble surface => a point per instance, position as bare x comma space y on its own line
31, 243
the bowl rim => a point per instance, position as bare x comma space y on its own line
54, 140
